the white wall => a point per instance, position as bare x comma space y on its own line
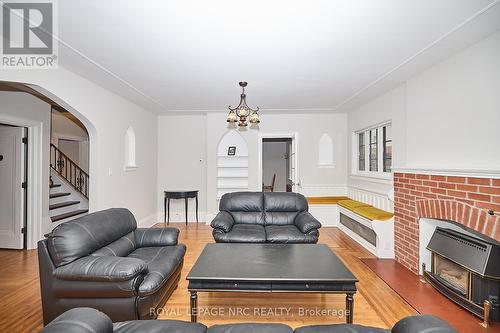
453, 111
273, 162
65, 128
309, 127
444, 118
25, 107
185, 139
182, 162
107, 116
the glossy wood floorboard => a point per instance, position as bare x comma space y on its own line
376, 304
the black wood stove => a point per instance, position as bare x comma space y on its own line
466, 269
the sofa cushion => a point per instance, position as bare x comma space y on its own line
161, 262
158, 326
340, 328
121, 247
244, 207
82, 236
250, 328
351, 204
422, 323
242, 202
80, 320
285, 234
242, 233
373, 213
281, 208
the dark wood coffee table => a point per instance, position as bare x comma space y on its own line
294, 268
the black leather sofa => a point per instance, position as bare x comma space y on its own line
264, 217
103, 261
86, 320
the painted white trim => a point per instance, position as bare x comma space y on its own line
128, 168
177, 216
34, 218
450, 172
295, 144
326, 166
374, 179
311, 190
148, 221
384, 231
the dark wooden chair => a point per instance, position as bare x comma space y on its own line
269, 188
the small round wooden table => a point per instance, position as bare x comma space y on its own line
178, 195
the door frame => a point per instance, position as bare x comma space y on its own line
295, 143
34, 204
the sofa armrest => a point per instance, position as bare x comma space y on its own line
422, 323
306, 222
147, 237
80, 320
106, 268
223, 221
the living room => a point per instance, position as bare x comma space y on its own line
145, 198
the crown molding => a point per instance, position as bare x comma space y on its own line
450, 172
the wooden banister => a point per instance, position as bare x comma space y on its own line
69, 170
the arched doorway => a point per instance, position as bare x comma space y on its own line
30, 108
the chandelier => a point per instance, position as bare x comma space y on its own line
240, 113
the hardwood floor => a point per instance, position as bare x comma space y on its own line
376, 304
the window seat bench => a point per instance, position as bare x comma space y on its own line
371, 227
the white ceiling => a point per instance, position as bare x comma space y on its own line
330, 55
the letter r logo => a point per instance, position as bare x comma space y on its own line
27, 28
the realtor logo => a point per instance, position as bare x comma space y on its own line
27, 35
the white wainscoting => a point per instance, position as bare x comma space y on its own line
323, 190
371, 197
327, 215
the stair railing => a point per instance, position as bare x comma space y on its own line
69, 170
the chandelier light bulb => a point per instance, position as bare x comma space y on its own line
243, 111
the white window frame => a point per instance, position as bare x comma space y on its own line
380, 152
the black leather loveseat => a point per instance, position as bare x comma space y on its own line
258, 217
103, 261
86, 320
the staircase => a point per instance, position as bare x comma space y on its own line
68, 188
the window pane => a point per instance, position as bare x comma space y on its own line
373, 150
387, 141
361, 151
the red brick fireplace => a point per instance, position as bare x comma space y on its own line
473, 202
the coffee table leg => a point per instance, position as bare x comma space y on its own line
194, 305
349, 304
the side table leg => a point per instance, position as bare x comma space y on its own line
196, 207
168, 211
165, 210
193, 305
349, 304
186, 206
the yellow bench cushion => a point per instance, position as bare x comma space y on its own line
373, 213
352, 204
365, 210
325, 200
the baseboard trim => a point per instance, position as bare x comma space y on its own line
148, 221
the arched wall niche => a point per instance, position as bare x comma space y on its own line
232, 163
130, 149
325, 151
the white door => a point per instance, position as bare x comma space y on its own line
12, 165
294, 175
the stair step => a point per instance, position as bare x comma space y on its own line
57, 195
63, 204
54, 185
69, 214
